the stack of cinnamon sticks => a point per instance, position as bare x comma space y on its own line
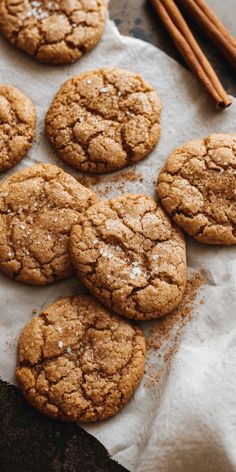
188, 46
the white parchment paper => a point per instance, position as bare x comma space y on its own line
187, 421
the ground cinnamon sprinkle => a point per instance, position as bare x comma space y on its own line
105, 183
164, 334
89, 180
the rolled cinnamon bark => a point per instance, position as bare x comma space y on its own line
212, 27
190, 50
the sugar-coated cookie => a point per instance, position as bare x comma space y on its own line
77, 362
103, 120
53, 31
17, 126
38, 207
197, 187
130, 256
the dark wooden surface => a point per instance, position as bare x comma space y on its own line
137, 18
30, 442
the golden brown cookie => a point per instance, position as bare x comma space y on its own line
104, 119
53, 31
130, 256
76, 362
17, 126
197, 187
38, 207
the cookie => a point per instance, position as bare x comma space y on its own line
130, 256
38, 207
54, 32
17, 126
103, 120
76, 362
197, 187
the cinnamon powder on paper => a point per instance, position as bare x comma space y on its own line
119, 180
165, 333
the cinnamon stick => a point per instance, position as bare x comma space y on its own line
212, 27
190, 50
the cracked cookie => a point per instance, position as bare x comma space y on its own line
76, 362
103, 120
38, 207
17, 126
54, 32
130, 256
197, 187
